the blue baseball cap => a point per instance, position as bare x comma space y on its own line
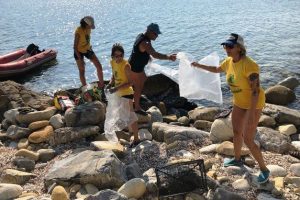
154, 28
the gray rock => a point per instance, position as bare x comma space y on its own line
203, 125
26, 163
46, 155
56, 121
222, 194
92, 113
202, 113
15, 132
10, 191
10, 115
100, 168
272, 140
107, 195
68, 134
283, 115
221, 130
266, 121
184, 120
155, 113
5, 124
133, 171
36, 115
290, 82
279, 95
169, 133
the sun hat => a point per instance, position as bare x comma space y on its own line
154, 28
90, 21
234, 39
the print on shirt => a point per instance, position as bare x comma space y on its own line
87, 38
231, 82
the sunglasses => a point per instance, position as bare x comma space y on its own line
228, 46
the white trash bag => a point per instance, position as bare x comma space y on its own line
196, 83
154, 68
118, 116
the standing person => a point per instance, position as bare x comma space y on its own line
121, 83
242, 75
83, 48
139, 58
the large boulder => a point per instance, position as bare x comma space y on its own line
221, 130
203, 113
290, 82
69, 134
163, 132
280, 95
272, 140
282, 115
14, 95
92, 113
100, 168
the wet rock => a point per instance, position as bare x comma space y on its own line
134, 188
158, 84
36, 116
41, 135
10, 191
15, 132
290, 82
92, 113
279, 95
68, 134
105, 170
272, 140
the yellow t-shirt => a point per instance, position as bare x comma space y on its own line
120, 77
84, 39
237, 78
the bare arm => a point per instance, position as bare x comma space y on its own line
254, 85
146, 46
76, 40
208, 68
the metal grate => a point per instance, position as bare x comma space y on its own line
178, 179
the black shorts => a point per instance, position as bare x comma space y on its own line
130, 96
89, 54
137, 69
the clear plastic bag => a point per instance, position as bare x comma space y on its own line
195, 83
118, 116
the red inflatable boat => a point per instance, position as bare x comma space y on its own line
13, 64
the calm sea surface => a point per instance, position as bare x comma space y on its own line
271, 29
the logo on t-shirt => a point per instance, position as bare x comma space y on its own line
231, 82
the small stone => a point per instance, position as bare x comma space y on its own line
16, 177
28, 154
279, 182
91, 189
10, 191
46, 155
38, 125
170, 118
26, 163
184, 120
241, 184
134, 188
287, 129
42, 135
59, 193
295, 169
23, 143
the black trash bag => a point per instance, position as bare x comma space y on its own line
33, 49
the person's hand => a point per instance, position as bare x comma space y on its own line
195, 64
172, 57
112, 90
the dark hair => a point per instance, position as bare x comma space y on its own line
83, 24
117, 47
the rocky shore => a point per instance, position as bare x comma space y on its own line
49, 154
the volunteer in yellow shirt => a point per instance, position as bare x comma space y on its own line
242, 76
83, 48
122, 85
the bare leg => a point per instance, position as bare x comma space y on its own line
239, 117
81, 68
250, 131
98, 66
134, 125
138, 80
